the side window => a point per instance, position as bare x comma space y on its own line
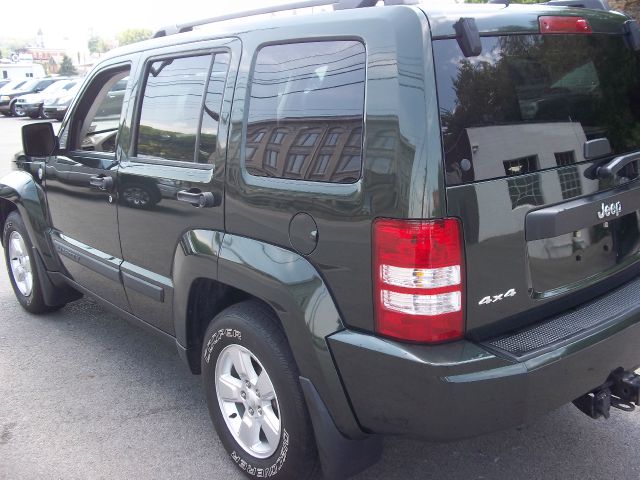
306, 112
172, 108
99, 112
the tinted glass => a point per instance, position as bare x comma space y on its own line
306, 112
212, 106
171, 108
529, 103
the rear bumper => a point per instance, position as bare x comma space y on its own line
464, 389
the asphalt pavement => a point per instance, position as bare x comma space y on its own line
86, 395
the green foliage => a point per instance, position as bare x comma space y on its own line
97, 45
67, 68
564, 78
133, 35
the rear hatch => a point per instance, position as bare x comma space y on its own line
525, 125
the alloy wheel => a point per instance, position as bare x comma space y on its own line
248, 401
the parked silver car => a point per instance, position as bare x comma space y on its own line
32, 104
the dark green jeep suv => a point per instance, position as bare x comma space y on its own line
400, 219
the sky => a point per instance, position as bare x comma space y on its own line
64, 18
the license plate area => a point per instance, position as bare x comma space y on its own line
563, 262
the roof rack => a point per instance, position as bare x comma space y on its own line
592, 4
337, 5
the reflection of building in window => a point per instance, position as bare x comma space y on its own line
317, 149
525, 190
569, 175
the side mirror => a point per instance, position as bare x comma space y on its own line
38, 140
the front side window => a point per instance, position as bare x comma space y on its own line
99, 111
306, 111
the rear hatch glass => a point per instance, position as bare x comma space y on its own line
514, 123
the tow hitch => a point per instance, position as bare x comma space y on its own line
621, 391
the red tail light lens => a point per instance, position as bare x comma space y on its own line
418, 279
564, 25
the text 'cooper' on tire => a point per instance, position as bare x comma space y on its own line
254, 395
18, 253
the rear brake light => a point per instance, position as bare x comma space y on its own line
418, 277
564, 25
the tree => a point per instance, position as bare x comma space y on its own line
67, 68
133, 35
97, 44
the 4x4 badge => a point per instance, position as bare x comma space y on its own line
496, 298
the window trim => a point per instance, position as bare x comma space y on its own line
308, 184
142, 78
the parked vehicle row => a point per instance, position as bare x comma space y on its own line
38, 97
32, 104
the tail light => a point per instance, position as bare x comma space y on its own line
564, 25
419, 279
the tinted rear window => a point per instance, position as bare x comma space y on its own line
529, 102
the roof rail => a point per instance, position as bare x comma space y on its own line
337, 5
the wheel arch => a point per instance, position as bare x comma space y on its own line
213, 271
20, 191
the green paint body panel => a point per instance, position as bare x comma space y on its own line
325, 299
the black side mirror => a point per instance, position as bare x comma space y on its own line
38, 140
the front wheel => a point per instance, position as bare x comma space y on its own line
15, 112
254, 395
23, 274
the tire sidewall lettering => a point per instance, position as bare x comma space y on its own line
230, 333
269, 471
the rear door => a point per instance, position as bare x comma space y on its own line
525, 126
172, 180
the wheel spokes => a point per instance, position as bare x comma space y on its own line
270, 426
249, 431
242, 362
229, 388
265, 387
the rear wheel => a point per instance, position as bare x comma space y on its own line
254, 395
23, 275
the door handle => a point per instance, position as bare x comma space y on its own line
102, 182
198, 199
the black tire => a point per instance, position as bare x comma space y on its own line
254, 327
14, 111
34, 301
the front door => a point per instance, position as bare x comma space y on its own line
80, 184
171, 185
